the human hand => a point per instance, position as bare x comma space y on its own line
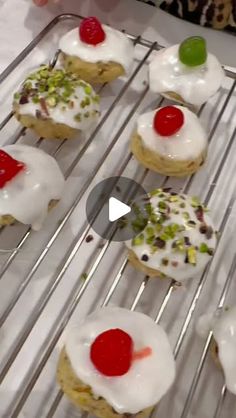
41, 3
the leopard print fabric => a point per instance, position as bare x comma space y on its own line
218, 14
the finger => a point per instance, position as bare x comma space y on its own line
40, 3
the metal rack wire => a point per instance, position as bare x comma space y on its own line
97, 256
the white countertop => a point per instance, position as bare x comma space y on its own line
20, 21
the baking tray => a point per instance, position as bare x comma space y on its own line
42, 275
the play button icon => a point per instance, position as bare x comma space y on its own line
116, 208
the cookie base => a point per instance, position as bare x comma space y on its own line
94, 73
138, 265
10, 220
214, 353
46, 128
163, 165
81, 395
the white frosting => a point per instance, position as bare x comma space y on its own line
176, 267
224, 332
147, 380
27, 196
62, 112
117, 47
194, 84
188, 143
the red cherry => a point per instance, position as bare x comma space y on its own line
91, 31
111, 352
9, 168
168, 120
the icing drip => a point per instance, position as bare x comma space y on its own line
188, 143
27, 196
179, 238
194, 84
116, 47
59, 96
147, 380
223, 326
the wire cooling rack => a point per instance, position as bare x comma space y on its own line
50, 278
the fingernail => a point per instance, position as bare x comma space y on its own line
40, 3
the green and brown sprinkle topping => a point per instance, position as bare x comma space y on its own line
160, 231
50, 87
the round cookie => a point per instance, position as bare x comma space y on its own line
224, 345
95, 52
170, 141
186, 73
31, 183
82, 396
56, 104
222, 323
178, 240
105, 357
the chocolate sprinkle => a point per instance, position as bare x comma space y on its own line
187, 241
145, 257
199, 213
203, 228
209, 232
89, 238
23, 100
159, 243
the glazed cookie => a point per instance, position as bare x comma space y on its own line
178, 240
108, 355
56, 104
95, 52
223, 348
186, 73
170, 141
30, 184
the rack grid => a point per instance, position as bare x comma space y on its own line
23, 256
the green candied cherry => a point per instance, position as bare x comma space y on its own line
193, 51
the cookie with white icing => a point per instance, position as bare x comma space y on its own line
223, 347
56, 104
31, 183
170, 141
186, 73
107, 356
178, 240
97, 53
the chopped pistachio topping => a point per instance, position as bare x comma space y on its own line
78, 117
55, 86
156, 192
191, 223
192, 255
165, 261
203, 248
84, 276
163, 236
150, 231
195, 202
174, 198
139, 240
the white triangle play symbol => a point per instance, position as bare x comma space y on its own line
117, 209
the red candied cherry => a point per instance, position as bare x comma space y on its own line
168, 120
91, 31
112, 352
9, 168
